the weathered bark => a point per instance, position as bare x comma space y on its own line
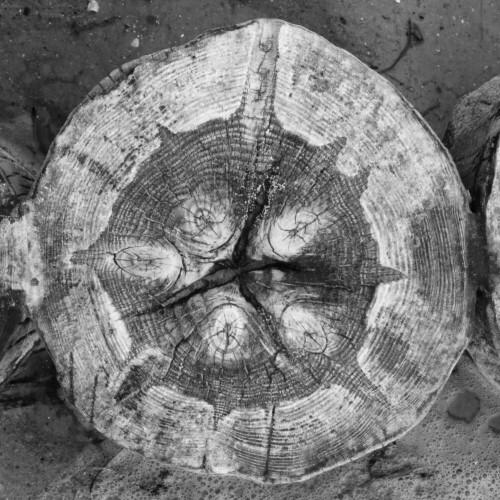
20, 163
473, 139
18, 340
251, 256
20, 160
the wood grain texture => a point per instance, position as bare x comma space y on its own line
254, 256
473, 138
20, 163
473, 125
21, 342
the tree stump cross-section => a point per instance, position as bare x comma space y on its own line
249, 256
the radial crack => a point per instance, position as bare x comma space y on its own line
252, 300
260, 203
269, 442
222, 274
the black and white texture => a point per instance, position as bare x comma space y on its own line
250, 256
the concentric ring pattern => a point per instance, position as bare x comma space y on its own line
256, 256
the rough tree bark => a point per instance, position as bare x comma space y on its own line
247, 255
473, 139
20, 163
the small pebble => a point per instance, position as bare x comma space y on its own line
464, 406
494, 423
135, 43
93, 6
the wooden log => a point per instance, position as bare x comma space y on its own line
20, 160
249, 256
473, 139
20, 163
20, 341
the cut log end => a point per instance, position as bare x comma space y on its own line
254, 256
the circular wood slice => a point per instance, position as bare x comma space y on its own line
253, 256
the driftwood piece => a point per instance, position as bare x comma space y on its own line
247, 255
473, 139
20, 160
19, 345
20, 163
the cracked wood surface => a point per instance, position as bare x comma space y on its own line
249, 257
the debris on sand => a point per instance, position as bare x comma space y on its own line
464, 406
93, 6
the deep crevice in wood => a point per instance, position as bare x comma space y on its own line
484, 168
269, 443
272, 329
259, 205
